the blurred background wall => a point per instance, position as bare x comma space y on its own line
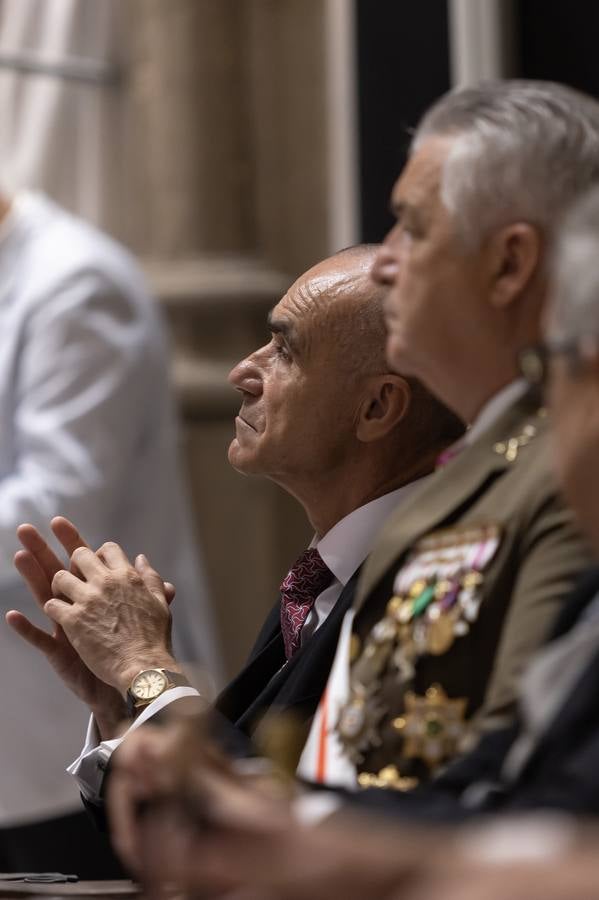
231, 144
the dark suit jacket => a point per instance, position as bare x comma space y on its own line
562, 772
267, 683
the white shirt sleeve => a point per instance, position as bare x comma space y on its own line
312, 809
532, 837
91, 764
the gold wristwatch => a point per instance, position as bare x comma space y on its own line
150, 684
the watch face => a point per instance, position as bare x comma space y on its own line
149, 684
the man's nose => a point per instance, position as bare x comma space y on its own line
246, 377
385, 267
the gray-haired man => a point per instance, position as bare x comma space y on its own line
463, 586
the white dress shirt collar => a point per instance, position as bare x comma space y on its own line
347, 544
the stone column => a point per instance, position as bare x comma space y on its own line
189, 158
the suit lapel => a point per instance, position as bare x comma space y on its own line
304, 677
444, 494
265, 659
269, 631
314, 660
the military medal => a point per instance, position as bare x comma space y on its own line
438, 590
389, 778
354, 648
436, 598
353, 718
384, 631
394, 605
403, 661
440, 635
510, 448
357, 726
423, 599
432, 726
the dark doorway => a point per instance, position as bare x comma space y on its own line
403, 65
557, 41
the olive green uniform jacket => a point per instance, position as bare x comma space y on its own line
408, 705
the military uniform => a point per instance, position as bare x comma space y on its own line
463, 584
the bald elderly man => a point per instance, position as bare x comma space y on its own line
467, 577
505, 793
323, 416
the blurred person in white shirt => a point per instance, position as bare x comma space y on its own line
87, 430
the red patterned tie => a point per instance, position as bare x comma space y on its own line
307, 578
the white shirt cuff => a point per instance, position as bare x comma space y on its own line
91, 764
314, 808
521, 838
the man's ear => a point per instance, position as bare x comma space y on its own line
515, 258
385, 404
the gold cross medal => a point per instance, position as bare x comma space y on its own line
432, 726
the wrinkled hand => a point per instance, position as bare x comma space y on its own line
161, 768
118, 621
38, 565
206, 831
169, 791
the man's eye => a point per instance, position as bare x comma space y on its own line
280, 348
410, 228
282, 351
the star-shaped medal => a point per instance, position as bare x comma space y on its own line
432, 726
